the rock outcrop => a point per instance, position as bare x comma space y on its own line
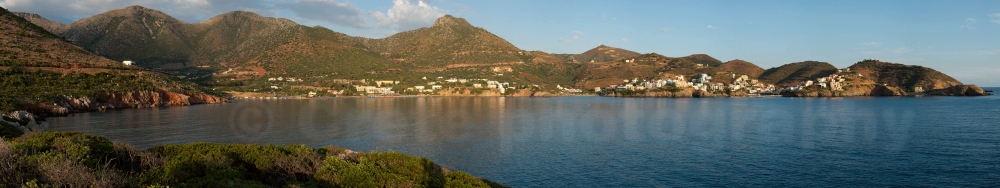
959, 90
28, 122
64, 105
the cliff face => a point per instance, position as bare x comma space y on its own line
136, 99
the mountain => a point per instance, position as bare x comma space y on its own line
146, 36
604, 53
26, 44
792, 74
48, 76
904, 76
450, 40
48, 25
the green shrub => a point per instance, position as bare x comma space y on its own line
67, 159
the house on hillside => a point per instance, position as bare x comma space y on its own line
127, 62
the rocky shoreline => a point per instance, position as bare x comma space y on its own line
65, 105
878, 90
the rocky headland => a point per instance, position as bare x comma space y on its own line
960, 90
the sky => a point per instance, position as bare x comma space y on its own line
958, 37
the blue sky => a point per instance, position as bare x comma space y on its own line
958, 38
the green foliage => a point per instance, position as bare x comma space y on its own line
791, 74
65, 159
22, 87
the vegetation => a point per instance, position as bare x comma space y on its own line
68, 159
603, 53
740, 67
22, 88
905, 76
791, 74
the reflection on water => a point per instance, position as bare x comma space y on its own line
593, 141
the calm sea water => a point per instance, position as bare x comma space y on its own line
616, 142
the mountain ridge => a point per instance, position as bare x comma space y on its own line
245, 47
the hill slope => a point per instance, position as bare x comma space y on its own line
450, 40
134, 33
740, 67
791, 74
49, 25
26, 44
904, 76
604, 53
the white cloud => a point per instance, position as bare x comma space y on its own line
969, 27
407, 15
871, 44
901, 50
576, 36
623, 40
995, 18
973, 20
329, 11
666, 29
710, 27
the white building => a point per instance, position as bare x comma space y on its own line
127, 63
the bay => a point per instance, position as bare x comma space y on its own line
615, 142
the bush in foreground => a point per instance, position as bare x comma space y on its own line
68, 159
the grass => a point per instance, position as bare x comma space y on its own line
69, 159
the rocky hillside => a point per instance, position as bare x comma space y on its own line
740, 67
26, 44
450, 40
905, 76
134, 33
47, 76
51, 26
792, 74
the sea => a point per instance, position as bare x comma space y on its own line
615, 142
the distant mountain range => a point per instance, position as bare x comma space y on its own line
258, 47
